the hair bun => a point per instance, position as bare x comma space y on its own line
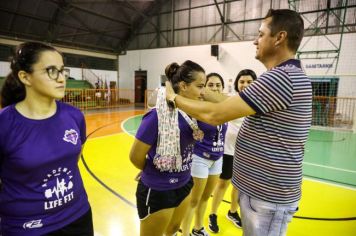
171, 69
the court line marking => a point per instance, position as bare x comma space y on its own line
86, 166
329, 167
304, 176
105, 185
123, 122
323, 181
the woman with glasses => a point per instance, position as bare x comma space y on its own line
41, 139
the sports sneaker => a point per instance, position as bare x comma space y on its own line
235, 218
200, 232
213, 223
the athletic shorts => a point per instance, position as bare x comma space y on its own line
202, 168
150, 201
82, 226
226, 173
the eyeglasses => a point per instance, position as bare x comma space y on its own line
53, 72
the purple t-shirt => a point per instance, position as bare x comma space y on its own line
212, 146
41, 187
151, 176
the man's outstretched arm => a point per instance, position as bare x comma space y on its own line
212, 113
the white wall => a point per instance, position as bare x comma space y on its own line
4, 68
232, 58
236, 56
76, 73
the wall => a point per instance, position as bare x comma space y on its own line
232, 58
236, 56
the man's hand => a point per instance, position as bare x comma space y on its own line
212, 96
170, 94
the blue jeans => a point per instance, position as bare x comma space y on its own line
261, 218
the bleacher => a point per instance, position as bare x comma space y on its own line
78, 84
71, 84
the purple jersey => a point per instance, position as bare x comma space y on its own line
212, 146
41, 187
151, 176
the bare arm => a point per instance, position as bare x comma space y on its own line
212, 113
138, 153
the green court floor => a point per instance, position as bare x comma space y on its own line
331, 155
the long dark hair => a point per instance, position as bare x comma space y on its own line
27, 54
217, 75
242, 73
177, 73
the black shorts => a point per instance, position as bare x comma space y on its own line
226, 173
150, 201
80, 227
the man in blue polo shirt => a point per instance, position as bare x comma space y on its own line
270, 145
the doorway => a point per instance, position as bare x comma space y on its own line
140, 87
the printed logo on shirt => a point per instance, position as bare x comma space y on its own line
187, 155
58, 188
71, 136
33, 224
218, 143
173, 180
205, 154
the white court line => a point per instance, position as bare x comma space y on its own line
126, 131
322, 181
329, 167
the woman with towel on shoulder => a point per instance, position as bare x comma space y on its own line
163, 150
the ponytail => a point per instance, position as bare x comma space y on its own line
177, 73
13, 90
27, 54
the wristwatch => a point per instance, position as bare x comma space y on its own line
171, 102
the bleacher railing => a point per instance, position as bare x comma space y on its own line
91, 77
86, 99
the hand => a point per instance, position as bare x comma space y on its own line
138, 176
170, 94
213, 96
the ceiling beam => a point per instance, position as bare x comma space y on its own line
34, 17
90, 12
88, 33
